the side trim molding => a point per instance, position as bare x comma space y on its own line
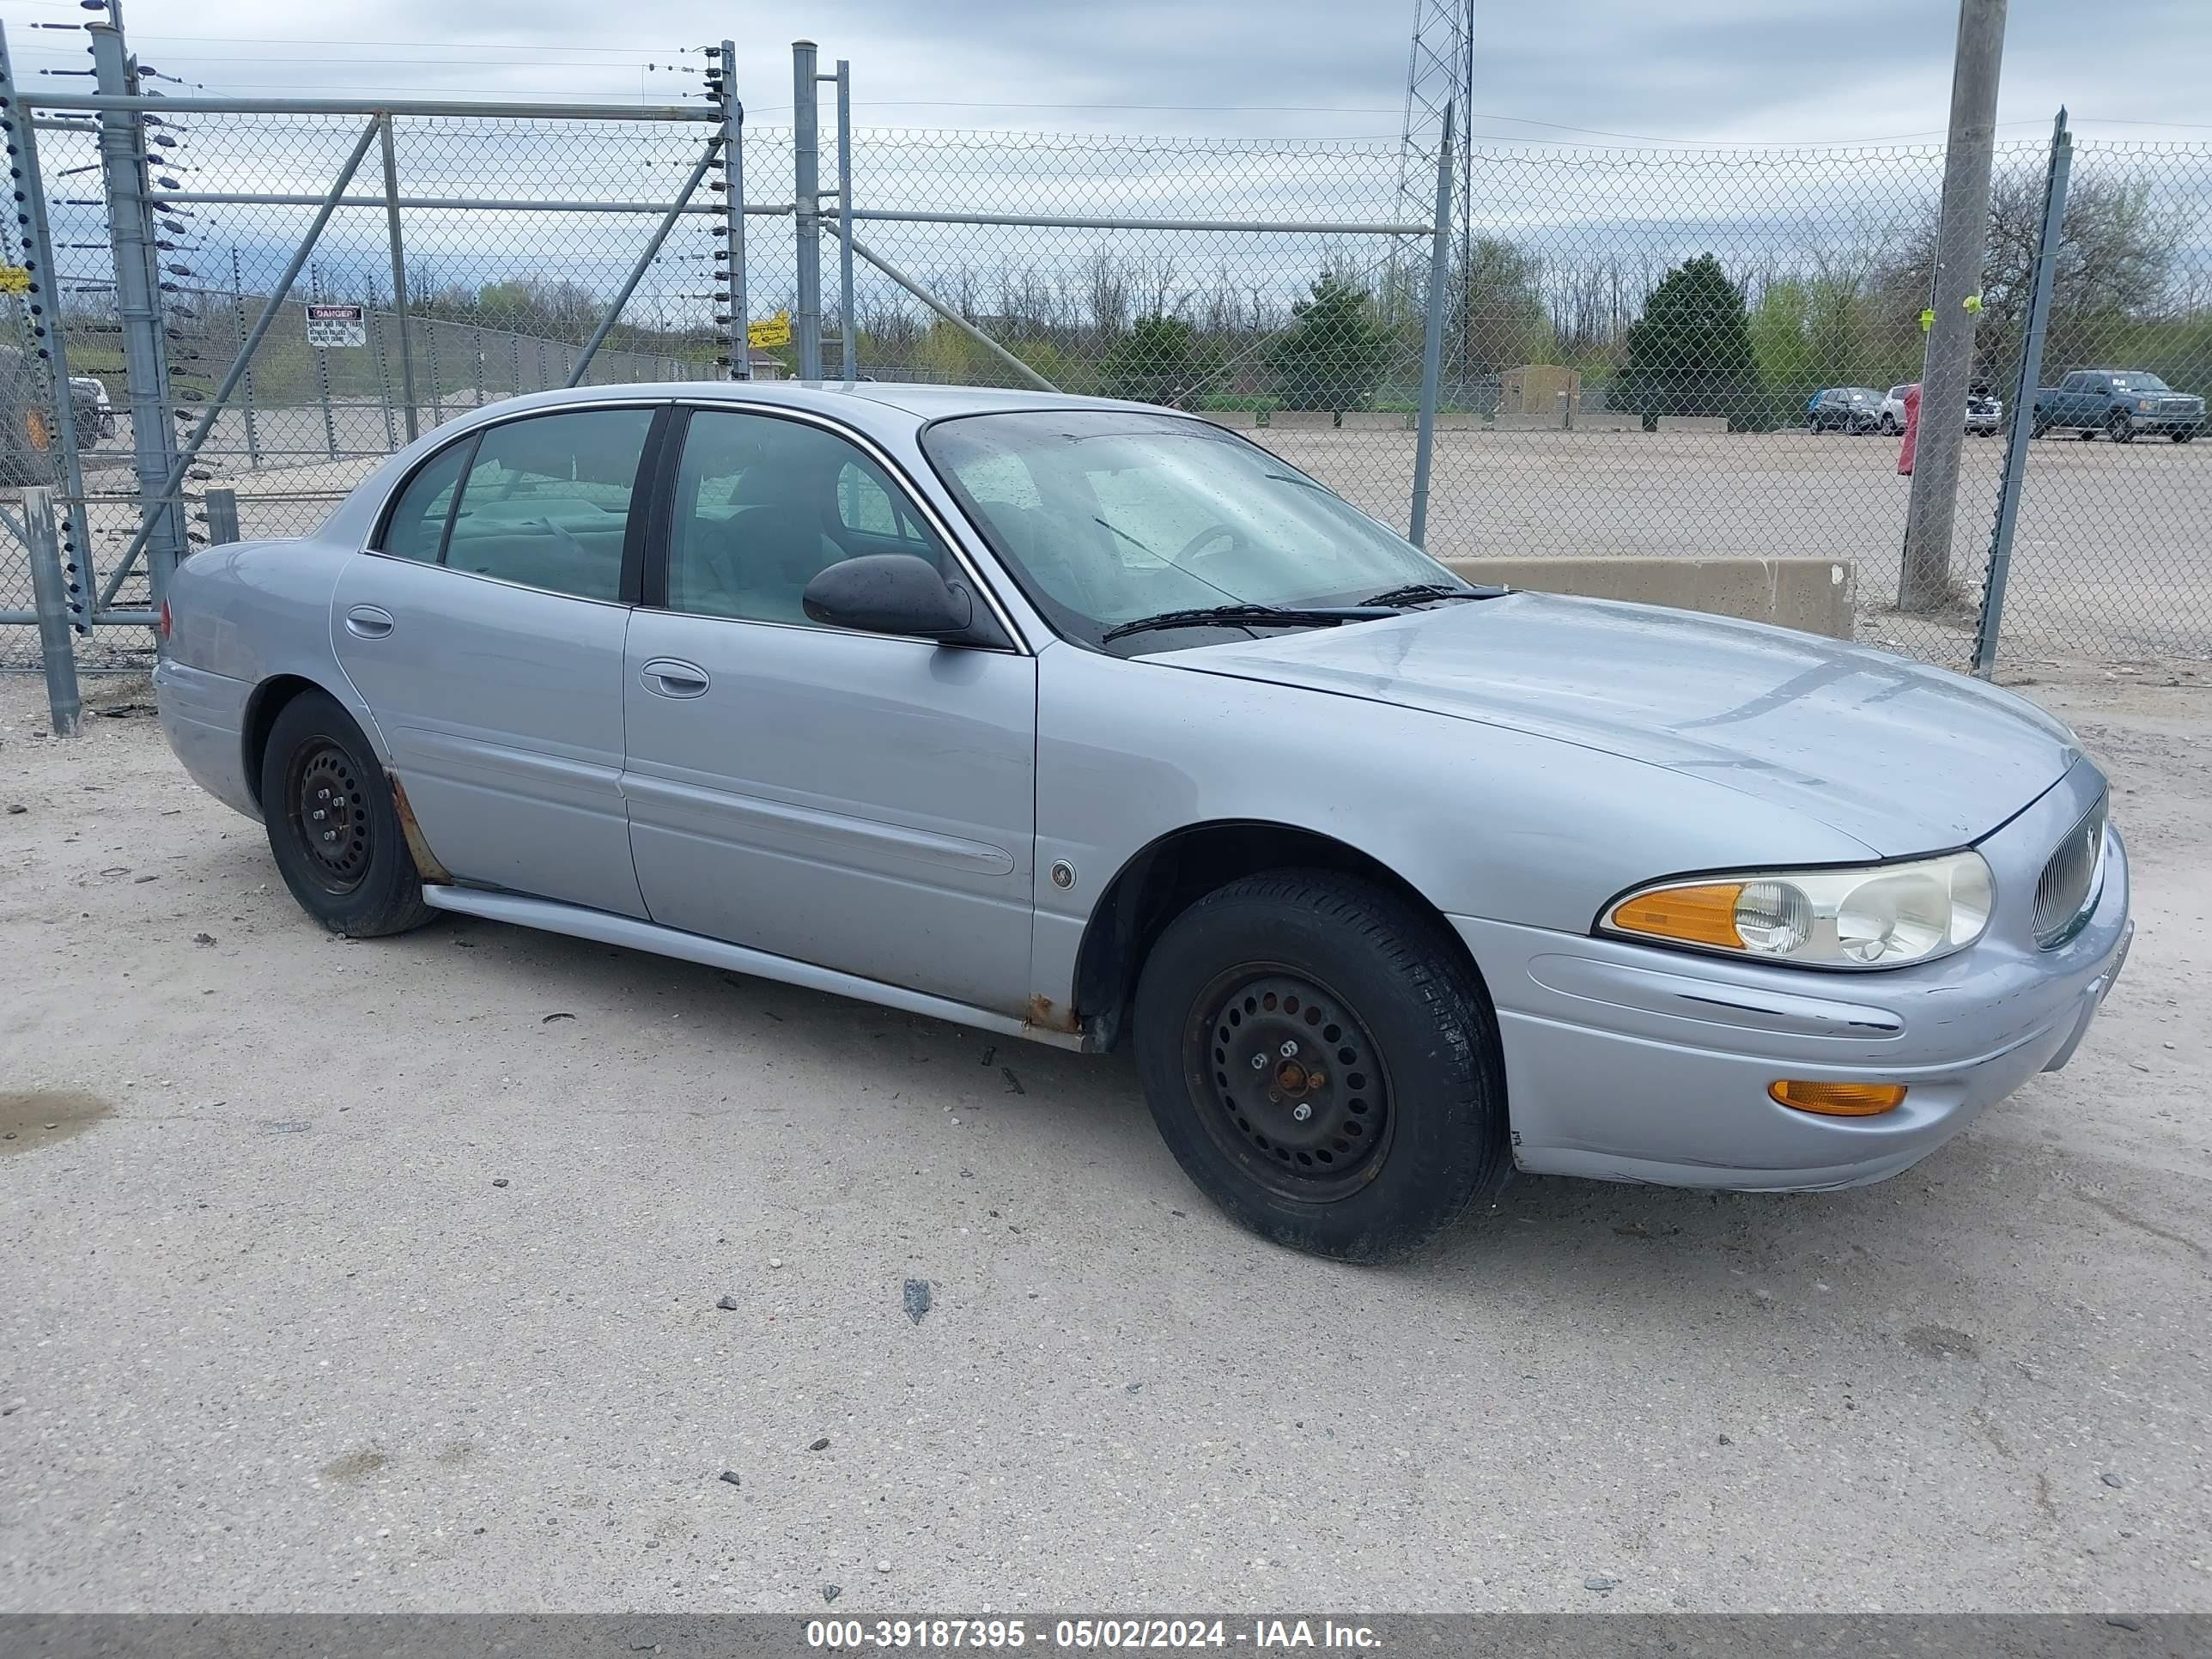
609, 929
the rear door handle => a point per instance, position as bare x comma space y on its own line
368, 622
672, 677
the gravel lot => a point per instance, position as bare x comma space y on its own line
386, 1275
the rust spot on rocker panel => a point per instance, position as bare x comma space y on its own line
1048, 1016
434, 873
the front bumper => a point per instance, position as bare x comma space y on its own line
1629, 1062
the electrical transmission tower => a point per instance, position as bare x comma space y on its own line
1439, 75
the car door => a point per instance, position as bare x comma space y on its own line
862, 802
485, 630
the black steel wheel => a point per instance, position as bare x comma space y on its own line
1297, 1078
333, 826
1323, 1063
328, 814
2119, 428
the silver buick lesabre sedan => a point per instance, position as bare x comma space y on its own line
1095, 724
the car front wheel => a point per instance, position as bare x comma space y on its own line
2181, 437
2121, 429
1323, 1064
332, 825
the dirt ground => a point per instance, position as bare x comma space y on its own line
386, 1275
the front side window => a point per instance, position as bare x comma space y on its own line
1106, 516
764, 506
545, 503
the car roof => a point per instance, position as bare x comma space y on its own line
920, 402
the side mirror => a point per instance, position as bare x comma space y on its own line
893, 593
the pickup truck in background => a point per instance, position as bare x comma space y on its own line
2121, 403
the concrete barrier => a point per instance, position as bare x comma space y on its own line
1607, 421
1513, 421
1694, 423
1301, 420
1372, 420
1814, 595
1236, 420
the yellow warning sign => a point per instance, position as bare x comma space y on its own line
776, 331
15, 279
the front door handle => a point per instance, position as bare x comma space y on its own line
368, 622
672, 677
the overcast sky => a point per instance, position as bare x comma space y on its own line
1572, 71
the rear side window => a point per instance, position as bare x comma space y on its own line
416, 528
545, 503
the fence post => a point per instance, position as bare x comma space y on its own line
476, 348
847, 331
1925, 580
323, 371
437, 381
50, 593
733, 218
47, 326
398, 266
137, 308
223, 517
378, 322
1432, 339
806, 209
1991, 622
245, 384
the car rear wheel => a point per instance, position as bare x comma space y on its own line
2181, 437
332, 827
1323, 1064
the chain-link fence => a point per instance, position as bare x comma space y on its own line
1673, 354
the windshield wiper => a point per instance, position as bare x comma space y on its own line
1247, 616
1416, 592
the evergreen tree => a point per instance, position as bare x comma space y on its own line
1690, 352
1333, 354
1156, 361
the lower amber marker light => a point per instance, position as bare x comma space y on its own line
1839, 1099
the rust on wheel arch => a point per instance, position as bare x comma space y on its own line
434, 873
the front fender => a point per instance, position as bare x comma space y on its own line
1480, 820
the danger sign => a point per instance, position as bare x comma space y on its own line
337, 326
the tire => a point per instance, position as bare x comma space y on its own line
2087, 434
2120, 429
2040, 429
1888, 426
317, 760
2181, 437
1408, 1125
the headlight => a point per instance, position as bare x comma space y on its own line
2144, 404
1884, 916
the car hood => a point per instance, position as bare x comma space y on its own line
1902, 757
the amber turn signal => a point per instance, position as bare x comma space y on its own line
1839, 1099
1696, 916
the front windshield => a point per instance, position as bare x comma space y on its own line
2138, 383
1106, 516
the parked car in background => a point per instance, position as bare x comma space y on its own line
95, 414
2120, 403
1096, 724
1985, 414
1853, 409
